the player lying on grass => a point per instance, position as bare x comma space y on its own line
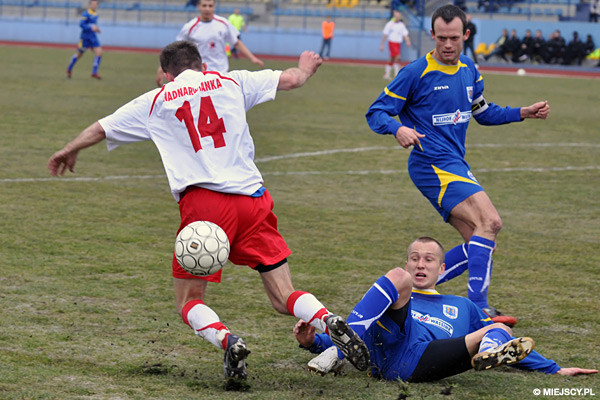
198, 123
416, 334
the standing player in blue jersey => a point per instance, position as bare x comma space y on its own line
88, 39
435, 98
416, 334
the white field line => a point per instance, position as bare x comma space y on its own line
348, 172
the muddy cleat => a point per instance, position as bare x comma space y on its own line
234, 363
68, 74
96, 76
497, 316
326, 362
508, 353
349, 343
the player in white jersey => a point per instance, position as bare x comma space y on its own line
198, 123
395, 32
211, 33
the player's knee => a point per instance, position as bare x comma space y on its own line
502, 326
492, 224
400, 278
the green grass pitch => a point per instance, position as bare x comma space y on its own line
86, 303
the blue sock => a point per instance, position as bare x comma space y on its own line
493, 338
456, 263
97, 60
371, 307
72, 63
480, 269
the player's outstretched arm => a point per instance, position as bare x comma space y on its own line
305, 333
67, 157
540, 110
294, 77
241, 47
575, 371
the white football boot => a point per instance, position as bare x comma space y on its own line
326, 362
507, 353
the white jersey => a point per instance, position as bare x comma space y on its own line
198, 123
210, 38
395, 31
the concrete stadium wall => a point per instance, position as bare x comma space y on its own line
361, 45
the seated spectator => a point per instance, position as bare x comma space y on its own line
574, 51
500, 49
524, 51
556, 48
589, 46
539, 49
513, 44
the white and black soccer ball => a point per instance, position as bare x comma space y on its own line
202, 248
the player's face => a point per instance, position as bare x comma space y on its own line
93, 5
207, 9
424, 264
449, 40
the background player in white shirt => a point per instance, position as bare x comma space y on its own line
395, 32
198, 123
211, 33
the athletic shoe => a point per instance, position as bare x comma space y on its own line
497, 316
96, 76
350, 344
68, 74
234, 362
388, 77
508, 353
326, 362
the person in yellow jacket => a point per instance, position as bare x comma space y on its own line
237, 20
327, 27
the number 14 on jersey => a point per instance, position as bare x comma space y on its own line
209, 123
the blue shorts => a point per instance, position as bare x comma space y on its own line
88, 42
395, 351
445, 182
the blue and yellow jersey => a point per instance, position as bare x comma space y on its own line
88, 18
437, 100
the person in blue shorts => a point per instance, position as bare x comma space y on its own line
416, 334
435, 98
88, 39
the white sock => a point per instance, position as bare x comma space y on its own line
305, 306
205, 323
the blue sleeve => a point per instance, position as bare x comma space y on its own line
380, 115
322, 342
84, 23
389, 104
536, 362
496, 115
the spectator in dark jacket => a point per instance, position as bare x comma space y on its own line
538, 48
525, 48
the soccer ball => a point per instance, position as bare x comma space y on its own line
202, 248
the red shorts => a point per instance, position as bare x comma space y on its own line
248, 221
394, 49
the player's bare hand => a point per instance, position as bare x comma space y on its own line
258, 61
540, 110
309, 61
575, 371
407, 137
96, 29
305, 333
61, 160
